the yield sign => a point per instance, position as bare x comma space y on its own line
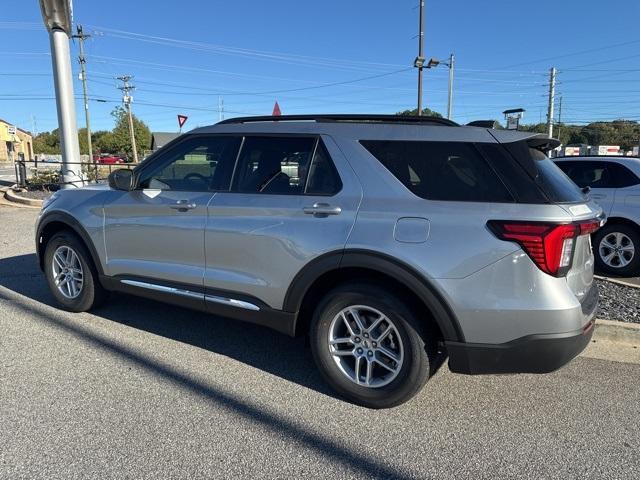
276, 110
182, 120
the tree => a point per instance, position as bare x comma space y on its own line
120, 140
425, 111
47, 143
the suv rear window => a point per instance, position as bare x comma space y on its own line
452, 171
547, 175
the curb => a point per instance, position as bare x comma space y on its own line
616, 281
12, 196
617, 332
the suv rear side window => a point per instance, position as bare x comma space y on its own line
276, 165
323, 177
452, 171
598, 174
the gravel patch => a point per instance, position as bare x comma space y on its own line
618, 302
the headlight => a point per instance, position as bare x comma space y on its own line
48, 201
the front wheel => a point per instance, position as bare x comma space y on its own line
370, 347
617, 250
70, 273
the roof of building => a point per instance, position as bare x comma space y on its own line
160, 139
18, 128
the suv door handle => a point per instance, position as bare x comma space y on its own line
183, 205
322, 210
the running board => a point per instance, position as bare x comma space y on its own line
188, 293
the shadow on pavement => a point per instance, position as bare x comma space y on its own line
247, 343
257, 346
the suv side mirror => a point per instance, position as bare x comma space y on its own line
121, 179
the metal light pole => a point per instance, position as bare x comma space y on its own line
434, 63
419, 61
450, 99
57, 18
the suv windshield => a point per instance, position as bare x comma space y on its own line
547, 175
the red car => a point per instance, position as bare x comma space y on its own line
107, 158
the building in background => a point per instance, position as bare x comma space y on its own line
15, 143
160, 139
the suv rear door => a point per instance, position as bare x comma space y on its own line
293, 198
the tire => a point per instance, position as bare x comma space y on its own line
411, 342
625, 262
90, 293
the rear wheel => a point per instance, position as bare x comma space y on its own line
70, 273
617, 250
370, 347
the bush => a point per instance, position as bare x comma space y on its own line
46, 180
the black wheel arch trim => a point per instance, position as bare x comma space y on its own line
73, 225
382, 263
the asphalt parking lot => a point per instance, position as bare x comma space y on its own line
139, 389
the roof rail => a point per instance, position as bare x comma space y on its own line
355, 118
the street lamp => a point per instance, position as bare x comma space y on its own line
56, 15
434, 63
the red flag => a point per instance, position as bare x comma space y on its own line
276, 110
182, 120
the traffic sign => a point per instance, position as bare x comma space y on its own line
182, 120
11, 129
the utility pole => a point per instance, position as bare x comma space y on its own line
552, 93
559, 116
419, 61
83, 76
57, 18
127, 99
450, 99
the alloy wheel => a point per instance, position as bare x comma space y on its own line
67, 273
616, 250
366, 346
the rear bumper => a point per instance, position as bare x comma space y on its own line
540, 353
532, 354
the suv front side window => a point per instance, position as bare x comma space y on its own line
198, 164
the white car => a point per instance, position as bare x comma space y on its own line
614, 183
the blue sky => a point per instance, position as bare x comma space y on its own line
188, 54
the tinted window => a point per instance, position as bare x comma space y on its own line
599, 174
440, 170
519, 183
549, 178
277, 165
323, 177
200, 163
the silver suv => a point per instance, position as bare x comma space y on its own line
391, 242
614, 182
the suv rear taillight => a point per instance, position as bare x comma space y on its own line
550, 245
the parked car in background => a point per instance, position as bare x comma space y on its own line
614, 182
107, 158
391, 242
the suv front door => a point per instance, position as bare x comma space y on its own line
156, 232
293, 199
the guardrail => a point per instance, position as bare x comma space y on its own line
48, 175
